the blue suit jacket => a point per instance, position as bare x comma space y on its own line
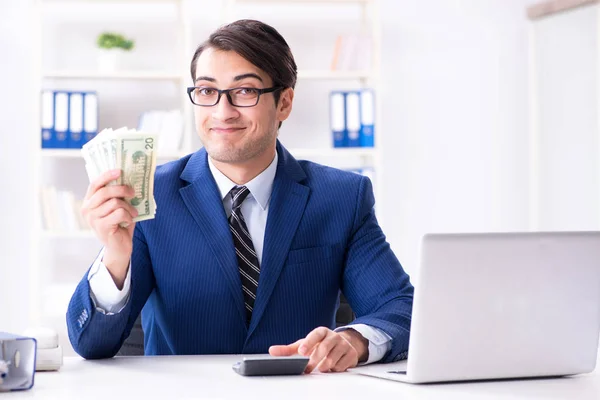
321, 237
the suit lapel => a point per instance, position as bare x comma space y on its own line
286, 207
204, 202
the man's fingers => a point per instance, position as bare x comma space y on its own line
111, 205
117, 217
103, 180
312, 339
348, 360
285, 350
324, 348
331, 359
107, 193
313, 361
131, 228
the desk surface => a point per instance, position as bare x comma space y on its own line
211, 377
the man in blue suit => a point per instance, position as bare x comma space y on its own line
250, 248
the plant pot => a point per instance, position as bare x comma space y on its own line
108, 59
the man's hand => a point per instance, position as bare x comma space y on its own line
329, 351
105, 209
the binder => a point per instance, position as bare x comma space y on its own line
75, 120
367, 118
47, 119
353, 119
90, 117
61, 119
337, 118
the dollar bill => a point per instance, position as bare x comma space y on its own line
93, 160
137, 153
134, 153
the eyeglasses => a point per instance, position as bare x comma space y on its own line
238, 97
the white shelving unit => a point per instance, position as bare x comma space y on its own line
370, 22
48, 298
57, 253
304, 1
334, 75
83, 234
368, 152
136, 75
76, 153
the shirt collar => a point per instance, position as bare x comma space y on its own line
260, 187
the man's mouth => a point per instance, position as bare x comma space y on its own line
226, 130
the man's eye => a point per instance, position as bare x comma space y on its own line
206, 92
247, 91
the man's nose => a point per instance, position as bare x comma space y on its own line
223, 110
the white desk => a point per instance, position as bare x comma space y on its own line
211, 377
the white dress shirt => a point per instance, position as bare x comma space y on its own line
108, 299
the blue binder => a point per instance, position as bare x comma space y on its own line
337, 118
75, 120
353, 118
367, 118
47, 119
61, 119
90, 117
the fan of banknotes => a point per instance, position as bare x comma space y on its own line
134, 153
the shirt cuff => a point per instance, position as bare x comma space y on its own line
379, 341
107, 298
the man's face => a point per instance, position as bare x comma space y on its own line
235, 134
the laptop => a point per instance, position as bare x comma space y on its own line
502, 305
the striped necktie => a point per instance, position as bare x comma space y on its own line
246, 255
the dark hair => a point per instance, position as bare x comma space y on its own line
258, 43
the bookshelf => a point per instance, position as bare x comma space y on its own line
136, 75
61, 256
297, 152
79, 234
76, 154
337, 75
305, 1
365, 15
66, 253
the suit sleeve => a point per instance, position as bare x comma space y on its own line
95, 334
375, 284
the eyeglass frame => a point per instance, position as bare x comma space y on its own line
227, 93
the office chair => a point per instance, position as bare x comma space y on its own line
134, 344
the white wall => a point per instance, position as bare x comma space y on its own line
455, 115
455, 120
16, 197
566, 82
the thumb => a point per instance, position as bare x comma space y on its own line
285, 350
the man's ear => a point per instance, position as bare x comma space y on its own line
284, 106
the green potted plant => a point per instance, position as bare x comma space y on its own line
111, 47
